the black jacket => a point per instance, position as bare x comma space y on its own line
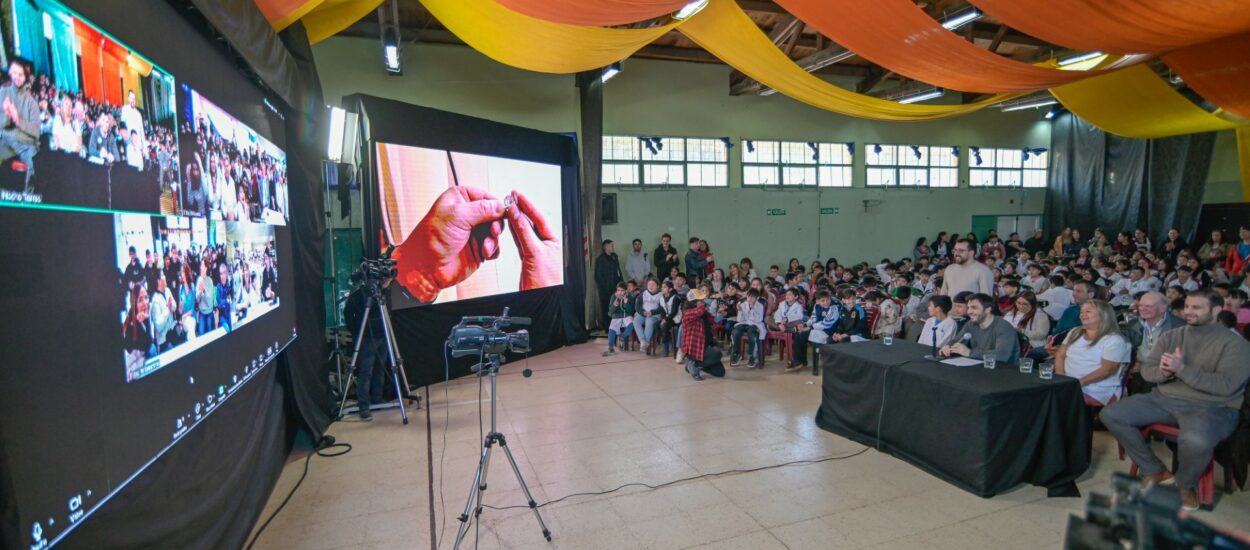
607, 272
663, 267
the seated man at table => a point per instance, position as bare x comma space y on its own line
985, 333
1201, 370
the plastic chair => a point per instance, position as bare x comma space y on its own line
786, 351
1206, 483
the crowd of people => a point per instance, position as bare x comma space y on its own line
176, 296
1164, 324
78, 125
224, 181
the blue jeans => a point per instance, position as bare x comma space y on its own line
612, 336
644, 327
1203, 426
371, 372
204, 323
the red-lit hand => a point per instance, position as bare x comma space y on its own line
460, 231
542, 260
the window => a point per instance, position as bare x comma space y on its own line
697, 162
1007, 167
796, 163
912, 166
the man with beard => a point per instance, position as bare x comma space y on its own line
19, 119
965, 273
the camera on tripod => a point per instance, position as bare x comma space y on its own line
484, 335
377, 270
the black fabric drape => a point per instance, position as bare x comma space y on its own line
1121, 184
590, 99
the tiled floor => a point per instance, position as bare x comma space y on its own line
584, 423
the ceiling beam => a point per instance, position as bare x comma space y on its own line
812, 63
787, 29
998, 38
761, 6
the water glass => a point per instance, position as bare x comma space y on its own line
1046, 371
990, 360
887, 340
1026, 365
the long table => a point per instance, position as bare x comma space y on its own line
984, 431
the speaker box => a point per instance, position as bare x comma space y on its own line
607, 208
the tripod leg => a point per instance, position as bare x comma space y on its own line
503, 443
392, 352
351, 369
490, 442
474, 495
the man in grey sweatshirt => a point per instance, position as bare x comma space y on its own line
1201, 370
636, 265
19, 119
985, 333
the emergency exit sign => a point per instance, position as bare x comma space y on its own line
775, 211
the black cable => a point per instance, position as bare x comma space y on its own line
442, 530
692, 478
322, 445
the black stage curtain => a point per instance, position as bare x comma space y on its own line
590, 99
209, 489
1121, 184
421, 331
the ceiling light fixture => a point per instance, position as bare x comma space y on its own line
611, 71
690, 9
1031, 104
961, 19
1065, 61
928, 94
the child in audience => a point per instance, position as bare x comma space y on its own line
621, 313
940, 326
774, 275
670, 318
852, 319
750, 323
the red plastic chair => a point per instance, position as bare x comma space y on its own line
786, 339
1206, 483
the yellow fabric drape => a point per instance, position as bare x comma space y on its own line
282, 13
529, 43
1136, 102
332, 16
723, 29
1243, 156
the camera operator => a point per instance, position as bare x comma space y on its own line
371, 365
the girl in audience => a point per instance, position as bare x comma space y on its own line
1031, 322
1082, 257
940, 327
830, 265
1214, 249
1062, 241
747, 268
1236, 304
735, 273
940, 246
1074, 244
921, 249
717, 282
794, 266
621, 312
1094, 353
670, 318
1141, 241
137, 331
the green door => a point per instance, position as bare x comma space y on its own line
982, 225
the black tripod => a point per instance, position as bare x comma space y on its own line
489, 367
394, 364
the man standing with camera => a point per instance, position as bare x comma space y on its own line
371, 363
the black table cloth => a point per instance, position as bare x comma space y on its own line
984, 431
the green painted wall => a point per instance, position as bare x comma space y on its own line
1224, 179
670, 98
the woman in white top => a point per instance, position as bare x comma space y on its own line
1028, 320
1095, 353
939, 327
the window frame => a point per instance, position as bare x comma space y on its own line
641, 164
898, 166
1023, 170
780, 166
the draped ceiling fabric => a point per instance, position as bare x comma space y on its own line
1136, 102
1218, 70
322, 18
723, 29
281, 13
901, 37
1122, 26
594, 12
529, 43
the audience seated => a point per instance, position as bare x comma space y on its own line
1201, 370
985, 333
1094, 353
940, 326
1030, 321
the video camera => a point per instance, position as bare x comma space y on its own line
376, 270
1132, 517
483, 335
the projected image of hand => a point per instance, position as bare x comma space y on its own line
542, 261
460, 231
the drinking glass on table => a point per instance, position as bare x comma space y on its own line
887, 340
990, 360
1026, 365
1046, 371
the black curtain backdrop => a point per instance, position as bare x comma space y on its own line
421, 331
590, 99
209, 489
1121, 184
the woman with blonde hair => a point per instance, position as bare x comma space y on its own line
1095, 353
1062, 241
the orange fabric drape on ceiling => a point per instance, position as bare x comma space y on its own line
1218, 70
89, 43
901, 37
595, 13
281, 13
1122, 26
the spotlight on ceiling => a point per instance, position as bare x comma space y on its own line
1072, 59
962, 18
1033, 104
611, 71
392, 41
690, 9
927, 94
